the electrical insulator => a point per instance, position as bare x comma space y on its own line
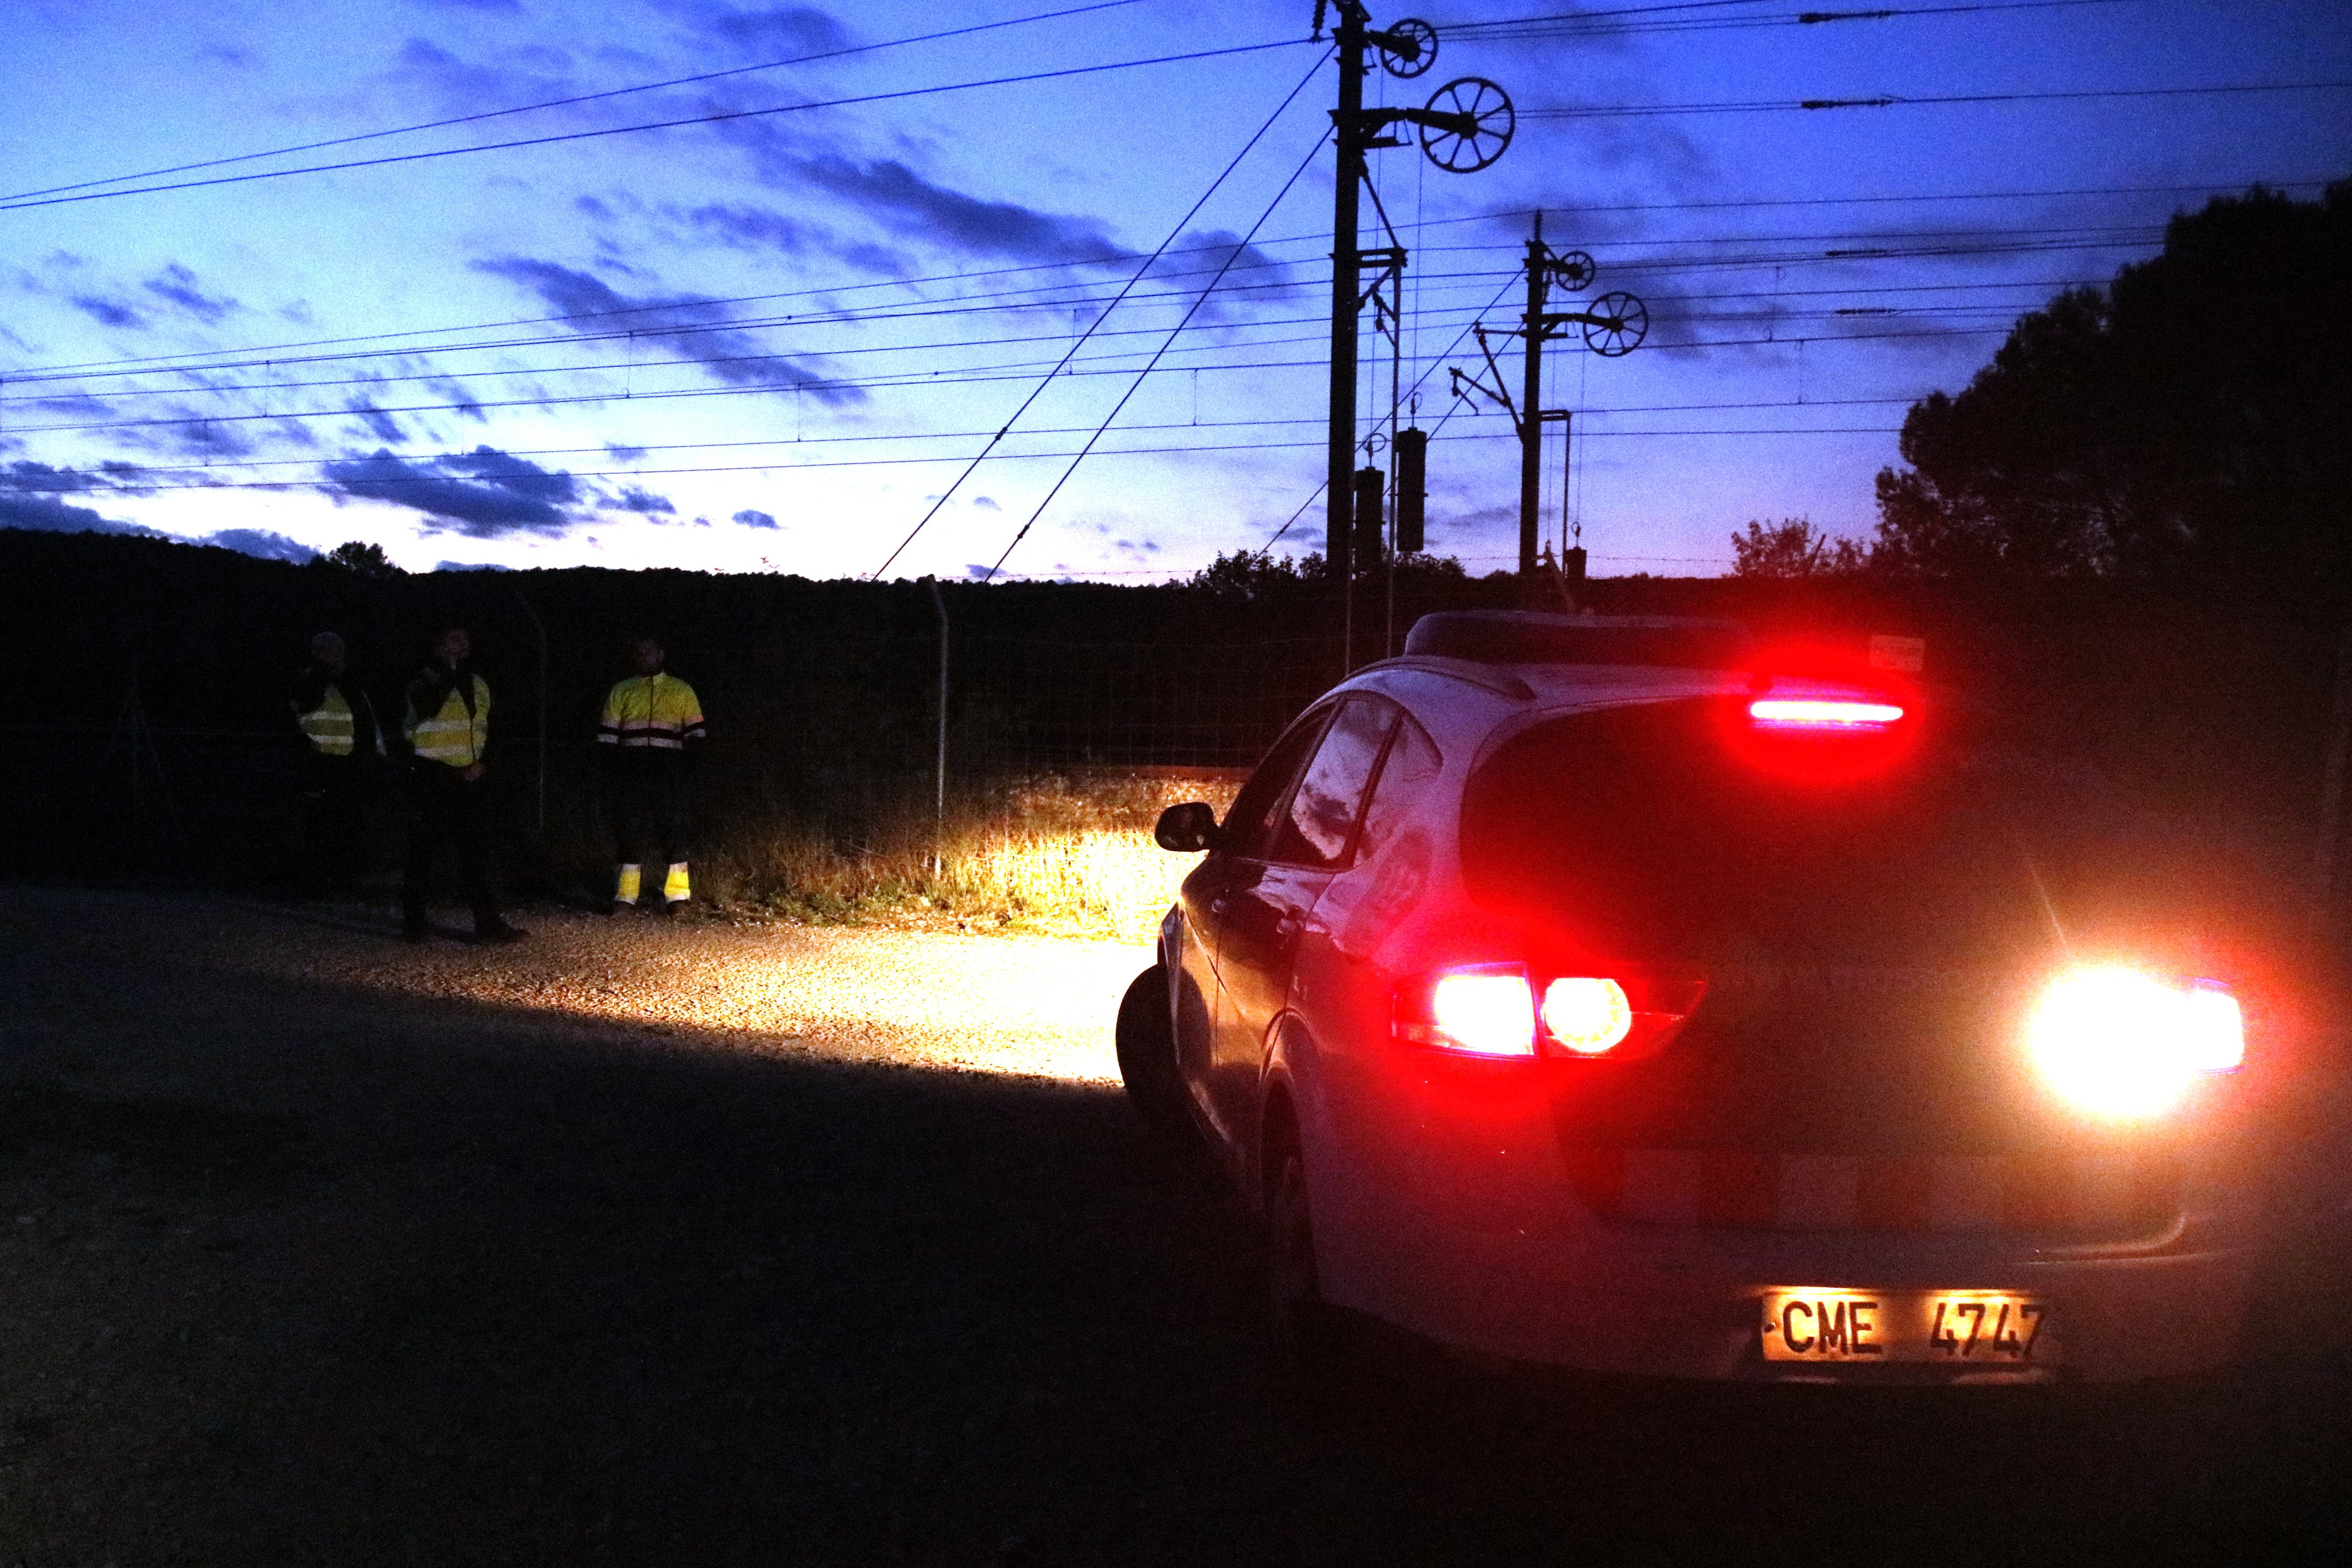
1369, 484
1412, 485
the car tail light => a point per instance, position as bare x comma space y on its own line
2118, 1042
1586, 1014
1497, 1010
1813, 713
1488, 1011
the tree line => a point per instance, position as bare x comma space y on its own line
2183, 426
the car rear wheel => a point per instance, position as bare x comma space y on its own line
1146, 1058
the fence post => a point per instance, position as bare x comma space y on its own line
940, 792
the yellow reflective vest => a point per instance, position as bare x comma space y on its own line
650, 713
327, 718
457, 729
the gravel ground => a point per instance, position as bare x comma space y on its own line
639, 1244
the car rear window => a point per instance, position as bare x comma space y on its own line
1659, 831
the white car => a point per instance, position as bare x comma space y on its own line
1580, 991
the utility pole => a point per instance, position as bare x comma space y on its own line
1338, 527
1464, 127
1614, 325
1531, 395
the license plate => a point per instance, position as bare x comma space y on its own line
1962, 1328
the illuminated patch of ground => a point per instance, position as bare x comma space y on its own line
1033, 1006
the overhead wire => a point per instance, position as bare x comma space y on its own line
1174, 233
210, 357
842, 53
1080, 456
1772, 106
716, 116
21, 380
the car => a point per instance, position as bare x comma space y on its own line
1613, 994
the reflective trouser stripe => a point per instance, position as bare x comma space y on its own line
630, 882
674, 886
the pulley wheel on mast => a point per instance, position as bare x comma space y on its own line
1574, 270
1408, 48
1469, 125
1616, 323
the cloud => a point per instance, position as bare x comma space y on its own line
763, 32
470, 565
462, 401
689, 326
910, 205
484, 494
621, 453
380, 424
986, 503
29, 499
750, 519
108, 312
645, 502
261, 543
800, 29
176, 285
749, 225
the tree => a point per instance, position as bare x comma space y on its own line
1793, 547
361, 559
2185, 423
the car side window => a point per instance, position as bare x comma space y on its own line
1249, 825
1412, 763
1321, 820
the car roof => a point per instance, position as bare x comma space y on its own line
1586, 662
1519, 638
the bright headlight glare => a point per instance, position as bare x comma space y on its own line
1492, 1015
1588, 1016
2117, 1042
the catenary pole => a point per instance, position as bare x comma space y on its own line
1531, 400
1339, 492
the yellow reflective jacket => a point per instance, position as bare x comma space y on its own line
449, 717
328, 720
651, 713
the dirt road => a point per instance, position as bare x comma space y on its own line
676, 1245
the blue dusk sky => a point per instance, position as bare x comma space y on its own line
773, 333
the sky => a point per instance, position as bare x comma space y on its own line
766, 319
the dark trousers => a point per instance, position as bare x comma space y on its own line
649, 814
334, 821
444, 808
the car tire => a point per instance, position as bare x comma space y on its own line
1146, 1058
1302, 1337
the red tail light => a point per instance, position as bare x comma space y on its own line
1503, 1010
1778, 712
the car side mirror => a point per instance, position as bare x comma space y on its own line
1188, 829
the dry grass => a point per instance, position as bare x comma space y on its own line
1058, 854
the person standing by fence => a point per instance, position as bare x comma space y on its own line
346, 742
650, 731
447, 725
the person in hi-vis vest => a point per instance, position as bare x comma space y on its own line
447, 726
649, 733
344, 742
